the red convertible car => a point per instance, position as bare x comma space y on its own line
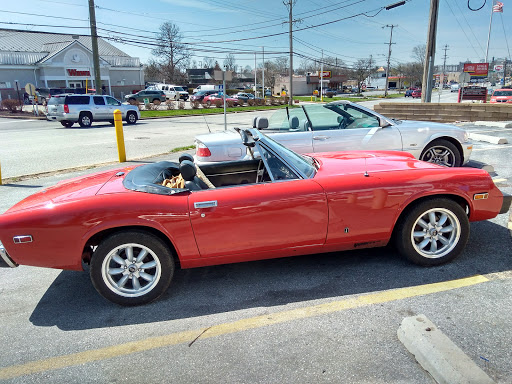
135, 225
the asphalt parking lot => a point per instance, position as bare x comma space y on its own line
318, 318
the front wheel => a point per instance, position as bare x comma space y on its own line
433, 232
67, 124
132, 268
156, 101
442, 152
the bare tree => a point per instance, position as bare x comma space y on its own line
208, 62
362, 69
152, 71
172, 53
229, 62
419, 52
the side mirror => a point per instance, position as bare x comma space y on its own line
383, 123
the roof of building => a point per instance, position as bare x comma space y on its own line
12, 40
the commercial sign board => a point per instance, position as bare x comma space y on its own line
498, 68
472, 93
477, 69
325, 74
75, 72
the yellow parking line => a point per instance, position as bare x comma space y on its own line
233, 327
499, 180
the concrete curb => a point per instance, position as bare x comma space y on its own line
478, 164
499, 124
437, 354
509, 225
488, 138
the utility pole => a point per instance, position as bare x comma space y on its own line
255, 77
322, 78
263, 73
430, 53
441, 80
389, 56
95, 55
504, 70
290, 4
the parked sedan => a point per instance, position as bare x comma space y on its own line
501, 96
210, 99
342, 125
416, 94
136, 225
153, 96
200, 95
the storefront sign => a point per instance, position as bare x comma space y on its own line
325, 74
75, 72
473, 93
477, 69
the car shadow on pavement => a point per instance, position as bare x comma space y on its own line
71, 302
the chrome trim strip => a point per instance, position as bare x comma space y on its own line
205, 204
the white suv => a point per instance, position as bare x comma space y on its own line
84, 109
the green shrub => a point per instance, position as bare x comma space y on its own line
219, 103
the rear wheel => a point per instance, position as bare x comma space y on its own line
442, 152
156, 101
67, 124
433, 232
85, 120
131, 117
132, 268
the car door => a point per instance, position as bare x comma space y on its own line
100, 109
342, 127
112, 105
291, 128
283, 213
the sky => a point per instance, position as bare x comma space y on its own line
352, 30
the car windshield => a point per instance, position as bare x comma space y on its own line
178, 89
502, 93
288, 120
304, 164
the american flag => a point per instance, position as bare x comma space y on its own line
498, 7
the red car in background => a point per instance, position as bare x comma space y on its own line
501, 96
416, 93
210, 99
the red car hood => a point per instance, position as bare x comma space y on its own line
72, 189
360, 161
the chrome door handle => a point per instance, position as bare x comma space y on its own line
205, 204
321, 137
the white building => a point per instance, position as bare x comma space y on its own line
56, 60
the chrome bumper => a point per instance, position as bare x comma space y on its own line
5, 260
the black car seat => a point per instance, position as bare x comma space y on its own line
199, 173
294, 124
188, 172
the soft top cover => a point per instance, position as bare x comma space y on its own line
149, 177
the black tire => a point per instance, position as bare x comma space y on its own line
157, 101
442, 152
208, 103
85, 119
419, 232
67, 124
131, 117
110, 265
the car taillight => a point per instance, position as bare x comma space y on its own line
202, 150
66, 108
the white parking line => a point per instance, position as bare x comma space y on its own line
17, 121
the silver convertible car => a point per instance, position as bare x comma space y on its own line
340, 126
